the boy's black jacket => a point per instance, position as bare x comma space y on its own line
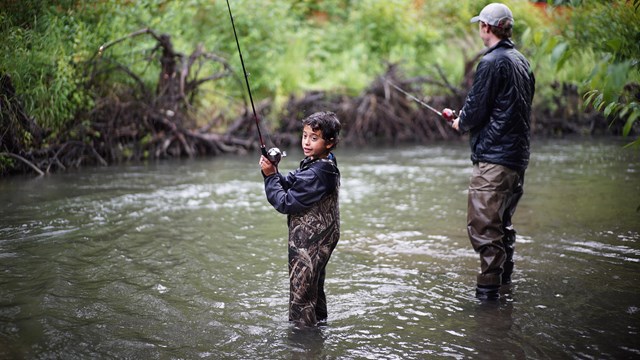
305, 186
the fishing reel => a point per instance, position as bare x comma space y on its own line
449, 115
274, 155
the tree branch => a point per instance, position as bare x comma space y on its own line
15, 156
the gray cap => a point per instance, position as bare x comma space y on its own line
495, 14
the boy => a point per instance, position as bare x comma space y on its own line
309, 197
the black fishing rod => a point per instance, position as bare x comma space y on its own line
445, 114
274, 154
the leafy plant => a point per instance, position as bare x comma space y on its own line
608, 33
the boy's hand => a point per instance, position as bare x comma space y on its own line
266, 166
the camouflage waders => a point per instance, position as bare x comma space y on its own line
313, 235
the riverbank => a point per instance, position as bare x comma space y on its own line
380, 115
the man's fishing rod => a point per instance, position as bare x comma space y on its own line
274, 154
446, 114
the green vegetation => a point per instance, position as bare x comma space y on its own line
608, 35
294, 46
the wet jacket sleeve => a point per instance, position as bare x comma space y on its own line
478, 104
297, 191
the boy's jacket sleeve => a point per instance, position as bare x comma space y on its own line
300, 189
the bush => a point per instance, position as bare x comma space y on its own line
295, 46
607, 35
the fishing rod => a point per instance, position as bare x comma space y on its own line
274, 154
446, 114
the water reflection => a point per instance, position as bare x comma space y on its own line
306, 343
492, 328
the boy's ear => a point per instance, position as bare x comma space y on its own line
330, 144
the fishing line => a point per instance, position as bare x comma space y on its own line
274, 154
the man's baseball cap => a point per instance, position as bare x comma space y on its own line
495, 14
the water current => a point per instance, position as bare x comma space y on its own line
187, 260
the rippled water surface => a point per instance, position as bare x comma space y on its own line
187, 260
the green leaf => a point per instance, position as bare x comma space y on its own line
632, 118
610, 109
634, 144
625, 109
559, 55
589, 95
614, 44
599, 102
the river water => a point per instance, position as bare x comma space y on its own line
186, 260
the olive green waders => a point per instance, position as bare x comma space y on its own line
494, 192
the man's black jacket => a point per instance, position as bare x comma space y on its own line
498, 107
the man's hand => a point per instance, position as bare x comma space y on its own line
449, 114
451, 117
455, 124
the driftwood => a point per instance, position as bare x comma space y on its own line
158, 123
25, 161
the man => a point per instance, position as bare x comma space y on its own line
496, 114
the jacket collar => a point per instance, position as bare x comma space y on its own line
506, 43
306, 162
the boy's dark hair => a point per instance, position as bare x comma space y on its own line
327, 122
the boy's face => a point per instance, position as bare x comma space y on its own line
313, 144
